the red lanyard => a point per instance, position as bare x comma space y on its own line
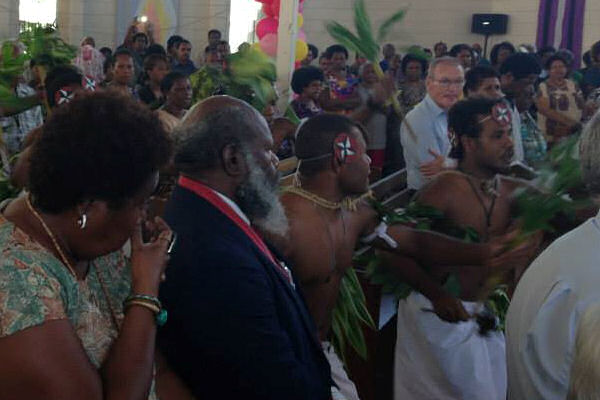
213, 198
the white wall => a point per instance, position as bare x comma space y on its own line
98, 18
591, 27
197, 17
9, 18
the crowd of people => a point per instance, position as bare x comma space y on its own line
232, 294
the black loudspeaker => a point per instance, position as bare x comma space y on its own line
489, 24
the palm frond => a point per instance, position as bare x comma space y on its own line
12, 63
364, 30
46, 48
387, 25
347, 39
251, 63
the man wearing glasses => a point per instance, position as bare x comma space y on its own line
424, 132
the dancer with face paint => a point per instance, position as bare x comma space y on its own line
328, 214
437, 355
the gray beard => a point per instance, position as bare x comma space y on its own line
258, 198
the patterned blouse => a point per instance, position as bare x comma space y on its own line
411, 94
566, 99
35, 287
534, 143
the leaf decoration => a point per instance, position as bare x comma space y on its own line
364, 30
349, 315
249, 75
386, 26
424, 217
45, 47
559, 178
291, 115
364, 42
12, 63
346, 38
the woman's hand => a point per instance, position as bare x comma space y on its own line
149, 260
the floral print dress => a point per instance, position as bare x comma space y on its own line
35, 287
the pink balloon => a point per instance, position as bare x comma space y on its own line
265, 1
301, 7
266, 9
266, 26
268, 44
302, 35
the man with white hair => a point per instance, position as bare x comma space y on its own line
424, 132
542, 321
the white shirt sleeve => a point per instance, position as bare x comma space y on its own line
546, 350
416, 152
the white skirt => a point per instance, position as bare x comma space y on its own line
439, 360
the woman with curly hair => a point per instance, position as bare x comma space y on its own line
559, 102
412, 86
78, 319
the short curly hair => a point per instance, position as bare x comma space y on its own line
169, 80
462, 121
101, 146
414, 58
521, 66
475, 76
496, 51
303, 77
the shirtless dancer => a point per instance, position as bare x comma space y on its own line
325, 227
436, 359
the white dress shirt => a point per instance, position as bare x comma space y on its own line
234, 206
544, 313
519, 152
429, 122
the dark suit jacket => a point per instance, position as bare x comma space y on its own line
236, 328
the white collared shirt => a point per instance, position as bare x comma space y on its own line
541, 325
234, 206
519, 152
430, 124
